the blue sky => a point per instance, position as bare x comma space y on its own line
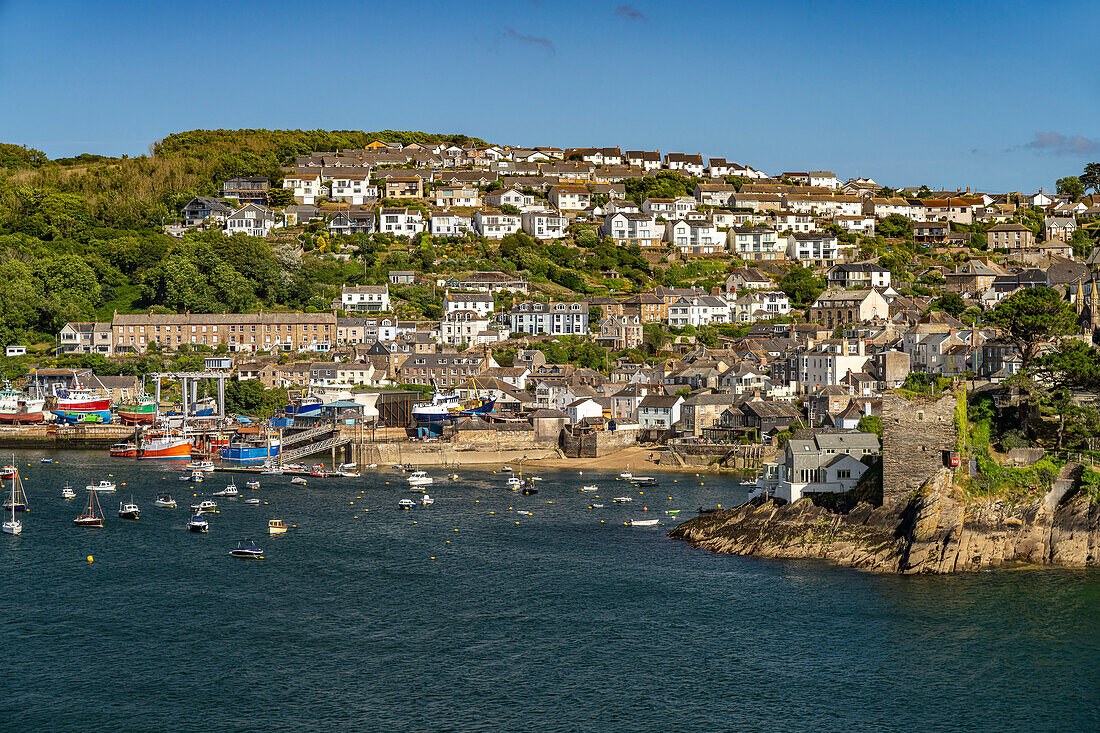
996, 96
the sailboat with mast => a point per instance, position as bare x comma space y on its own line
13, 525
17, 502
93, 513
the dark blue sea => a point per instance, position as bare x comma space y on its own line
548, 622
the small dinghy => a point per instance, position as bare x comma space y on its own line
253, 500
622, 499
248, 550
590, 487
300, 481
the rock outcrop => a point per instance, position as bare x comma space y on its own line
928, 532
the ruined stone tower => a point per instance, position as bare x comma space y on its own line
916, 437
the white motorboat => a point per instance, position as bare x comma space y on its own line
128, 510
206, 505
622, 499
248, 550
626, 475
299, 480
271, 471
68, 493
252, 500
524, 512
103, 485
165, 501
514, 483
534, 478
229, 492
198, 523
419, 478
426, 500
596, 506
200, 466
406, 504
643, 522
506, 469
253, 484
590, 487
371, 465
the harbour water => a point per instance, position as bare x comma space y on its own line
557, 623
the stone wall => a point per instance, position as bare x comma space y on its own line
915, 436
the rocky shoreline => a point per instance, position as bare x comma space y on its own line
928, 532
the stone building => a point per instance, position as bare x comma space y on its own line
917, 438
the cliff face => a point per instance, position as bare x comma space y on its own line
929, 533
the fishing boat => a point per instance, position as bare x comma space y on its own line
645, 481
207, 466
165, 500
206, 505
198, 523
138, 411
228, 492
443, 408
514, 483
406, 504
123, 450
530, 488
103, 485
251, 448
18, 409
82, 405
308, 405
419, 478
426, 500
196, 477
67, 492
12, 525
621, 499
128, 510
299, 480
165, 444
17, 502
252, 484
253, 500
7, 472
643, 522
590, 487
93, 513
248, 550
276, 526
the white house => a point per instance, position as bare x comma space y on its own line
757, 243
400, 222
659, 412
544, 224
356, 188
695, 238
585, 407
251, 219
464, 196
626, 229
555, 319
495, 224
480, 303
570, 197
306, 186
649, 160
690, 165
461, 327
511, 196
825, 179
450, 224
816, 248
365, 297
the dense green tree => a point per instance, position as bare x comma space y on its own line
1090, 177
951, 303
802, 286
895, 226
1070, 186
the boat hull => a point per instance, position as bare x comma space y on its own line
136, 417
128, 451
166, 448
74, 417
88, 522
21, 418
247, 453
